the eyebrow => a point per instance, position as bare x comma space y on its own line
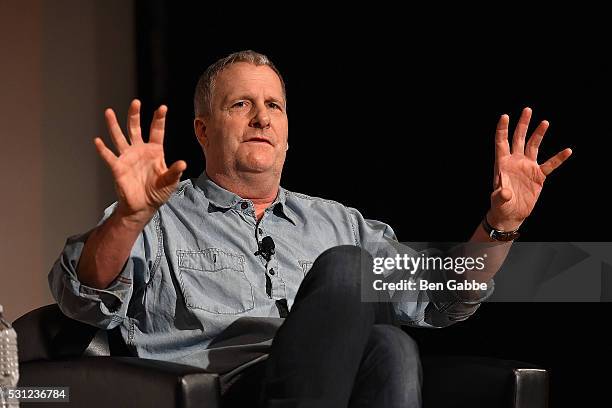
250, 96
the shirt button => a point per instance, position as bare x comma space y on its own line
244, 206
271, 271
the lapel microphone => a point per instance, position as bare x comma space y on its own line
266, 248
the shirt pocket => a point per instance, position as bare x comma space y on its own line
305, 266
214, 280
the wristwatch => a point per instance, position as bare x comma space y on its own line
497, 234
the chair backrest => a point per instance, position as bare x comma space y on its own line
47, 334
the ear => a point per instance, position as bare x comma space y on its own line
199, 127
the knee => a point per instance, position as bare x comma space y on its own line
340, 266
335, 277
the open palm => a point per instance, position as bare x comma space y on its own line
142, 180
518, 178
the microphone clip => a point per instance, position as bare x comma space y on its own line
266, 248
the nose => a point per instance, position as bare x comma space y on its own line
261, 119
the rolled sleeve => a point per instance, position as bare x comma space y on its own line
438, 308
442, 314
450, 306
103, 308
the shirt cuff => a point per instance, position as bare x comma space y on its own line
110, 299
448, 298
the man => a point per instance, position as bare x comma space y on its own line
207, 271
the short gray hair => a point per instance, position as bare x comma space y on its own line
202, 99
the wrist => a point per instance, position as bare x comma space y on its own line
132, 221
502, 224
498, 234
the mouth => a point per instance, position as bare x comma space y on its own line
259, 140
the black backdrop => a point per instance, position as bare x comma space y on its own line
396, 117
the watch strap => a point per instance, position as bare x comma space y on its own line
499, 235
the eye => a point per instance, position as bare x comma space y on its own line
274, 105
240, 104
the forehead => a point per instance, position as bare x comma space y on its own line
244, 78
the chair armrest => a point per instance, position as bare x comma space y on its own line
125, 382
459, 381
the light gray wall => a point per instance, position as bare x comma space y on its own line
62, 63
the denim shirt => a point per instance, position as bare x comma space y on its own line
192, 273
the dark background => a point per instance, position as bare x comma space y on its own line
394, 113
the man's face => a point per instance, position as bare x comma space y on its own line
247, 128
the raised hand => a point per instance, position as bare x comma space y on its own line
142, 180
518, 178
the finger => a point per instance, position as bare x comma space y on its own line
520, 132
533, 144
133, 126
172, 175
107, 155
496, 177
115, 131
551, 164
157, 125
502, 148
498, 181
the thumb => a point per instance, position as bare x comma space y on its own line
172, 175
503, 193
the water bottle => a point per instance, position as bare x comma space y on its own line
9, 363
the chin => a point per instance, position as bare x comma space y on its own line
256, 164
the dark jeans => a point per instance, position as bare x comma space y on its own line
334, 350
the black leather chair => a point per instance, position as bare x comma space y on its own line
57, 351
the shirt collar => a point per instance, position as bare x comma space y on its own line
225, 199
